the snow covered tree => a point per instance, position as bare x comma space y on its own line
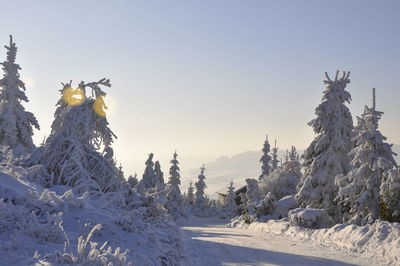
274, 161
283, 181
189, 198
149, 178
15, 123
230, 203
78, 152
390, 196
327, 156
174, 196
200, 200
372, 159
265, 160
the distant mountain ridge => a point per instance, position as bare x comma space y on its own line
236, 168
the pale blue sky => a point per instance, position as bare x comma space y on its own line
208, 78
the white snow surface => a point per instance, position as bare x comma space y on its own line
376, 244
211, 242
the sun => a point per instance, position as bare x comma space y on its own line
74, 97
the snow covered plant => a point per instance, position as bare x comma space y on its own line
88, 253
15, 123
283, 181
72, 154
327, 156
49, 230
390, 196
359, 194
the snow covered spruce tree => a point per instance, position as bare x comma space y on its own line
372, 159
78, 151
283, 181
274, 161
327, 156
265, 160
174, 196
15, 123
230, 203
200, 200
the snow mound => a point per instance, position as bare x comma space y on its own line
310, 218
378, 242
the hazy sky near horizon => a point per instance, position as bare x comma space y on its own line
208, 78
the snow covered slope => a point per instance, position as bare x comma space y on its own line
53, 226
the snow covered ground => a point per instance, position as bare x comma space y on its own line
210, 241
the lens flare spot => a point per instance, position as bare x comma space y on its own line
74, 97
99, 106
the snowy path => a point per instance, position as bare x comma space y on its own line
210, 242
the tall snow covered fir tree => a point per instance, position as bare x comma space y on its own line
78, 152
274, 161
174, 196
265, 160
359, 194
327, 156
15, 123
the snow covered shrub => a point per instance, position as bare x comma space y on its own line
310, 218
266, 206
10, 214
49, 201
284, 205
88, 253
327, 156
283, 181
51, 230
359, 195
390, 196
130, 221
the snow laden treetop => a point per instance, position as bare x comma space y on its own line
327, 156
15, 123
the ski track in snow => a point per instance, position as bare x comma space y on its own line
210, 242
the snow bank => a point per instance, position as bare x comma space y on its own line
378, 242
